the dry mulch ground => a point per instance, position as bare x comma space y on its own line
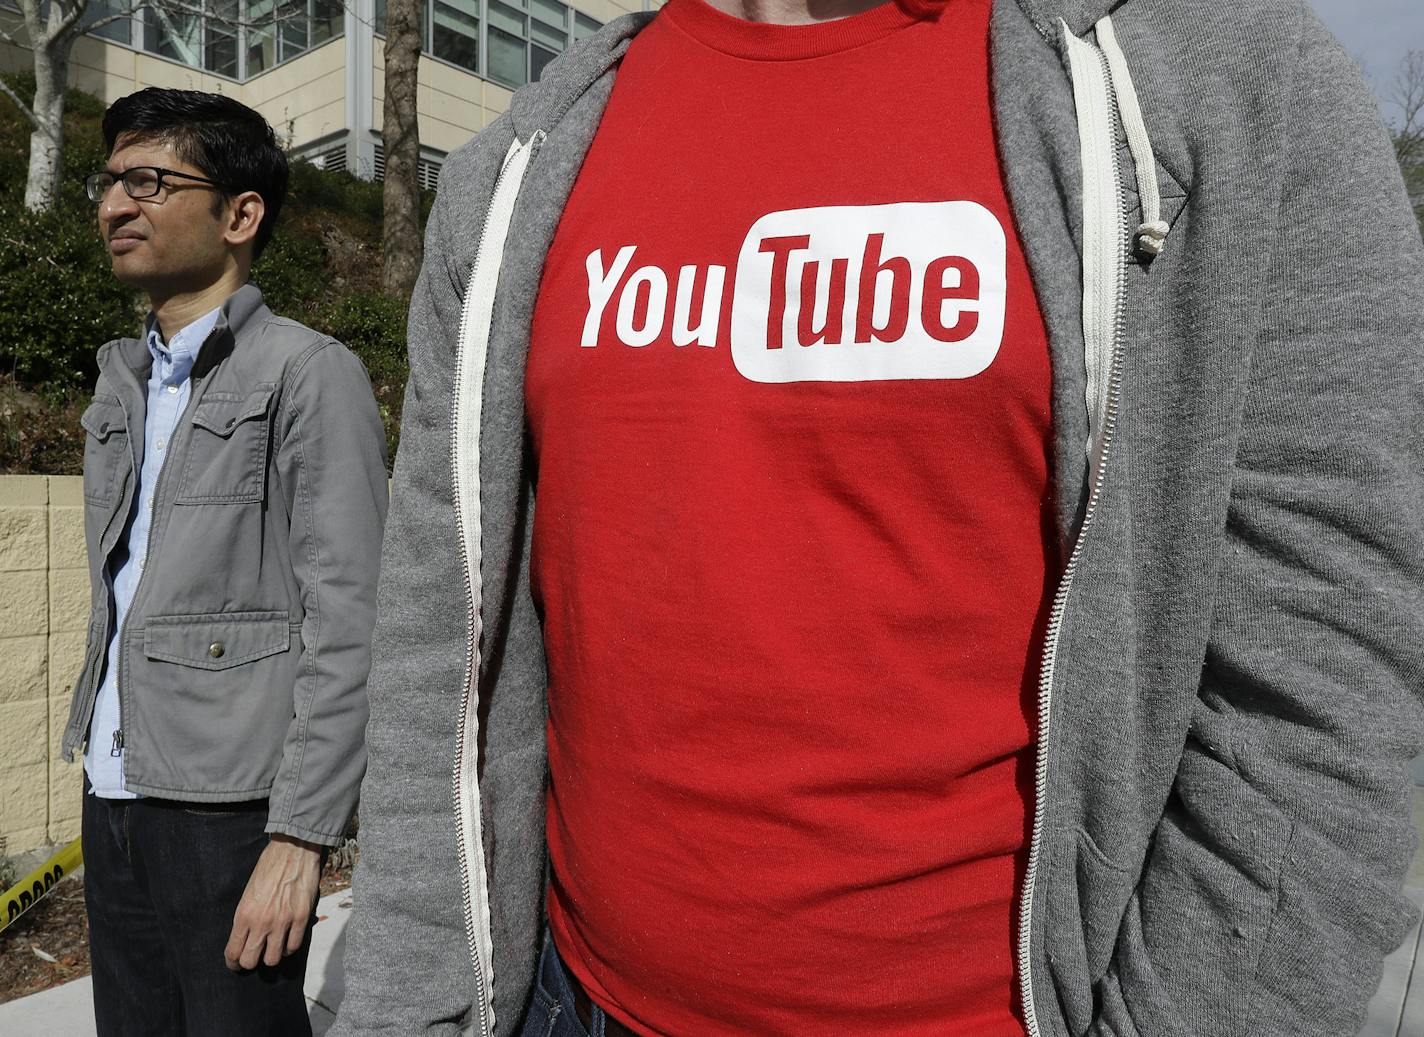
49, 944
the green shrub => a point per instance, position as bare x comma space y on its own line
292, 274
338, 191
373, 327
60, 300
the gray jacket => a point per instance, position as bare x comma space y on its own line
1231, 690
242, 669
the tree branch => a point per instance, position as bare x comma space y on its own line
68, 22
10, 93
1407, 92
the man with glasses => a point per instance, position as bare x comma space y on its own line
235, 493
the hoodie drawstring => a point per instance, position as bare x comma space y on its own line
1151, 237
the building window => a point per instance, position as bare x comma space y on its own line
456, 32
525, 35
120, 30
174, 34
220, 51
522, 36
279, 30
508, 40
233, 38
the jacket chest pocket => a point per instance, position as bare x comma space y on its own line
227, 450
106, 449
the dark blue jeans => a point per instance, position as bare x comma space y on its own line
161, 883
552, 1014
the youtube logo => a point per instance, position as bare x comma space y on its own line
835, 293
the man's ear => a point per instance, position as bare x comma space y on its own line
244, 216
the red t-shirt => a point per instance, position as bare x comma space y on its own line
789, 396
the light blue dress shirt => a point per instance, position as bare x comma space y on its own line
168, 389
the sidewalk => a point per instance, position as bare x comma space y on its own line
68, 1010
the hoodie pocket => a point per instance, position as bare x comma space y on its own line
227, 449
105, 448
1086, 899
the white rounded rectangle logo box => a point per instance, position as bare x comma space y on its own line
870, 293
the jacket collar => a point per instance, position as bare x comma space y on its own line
243, 309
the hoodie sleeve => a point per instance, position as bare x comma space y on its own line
408, 968
1311, 690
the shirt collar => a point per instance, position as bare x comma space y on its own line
186, 343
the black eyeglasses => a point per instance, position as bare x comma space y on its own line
139, 182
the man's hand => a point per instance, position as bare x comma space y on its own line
271, 918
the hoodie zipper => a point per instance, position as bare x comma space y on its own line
1093, 91
471, 352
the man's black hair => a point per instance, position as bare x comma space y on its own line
225, 139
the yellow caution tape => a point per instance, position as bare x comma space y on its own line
26, 893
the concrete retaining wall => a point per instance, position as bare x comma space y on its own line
44, 606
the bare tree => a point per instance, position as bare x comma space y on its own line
52, 29
1407, 94
400, 139
52, 26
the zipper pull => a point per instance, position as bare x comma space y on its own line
118, 743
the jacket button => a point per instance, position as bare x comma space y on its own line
216, 649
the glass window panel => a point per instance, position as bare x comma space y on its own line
328, 21
458, 16
507, 55
550, 11
291, 28
379, 21
224, 14
550, 37
293, 37
174, 34
120, 30
261, 37
510, 19
538, 58
457, 33
220, 49
584, 26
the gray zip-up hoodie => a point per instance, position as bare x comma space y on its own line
1231, 691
